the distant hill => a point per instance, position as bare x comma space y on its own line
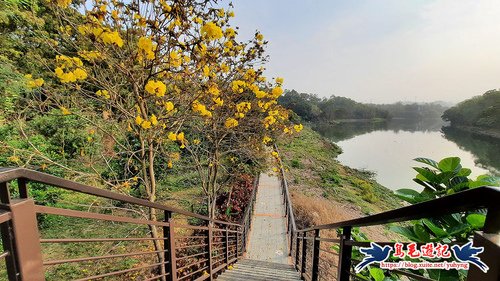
335, 108
413, 110
477, 112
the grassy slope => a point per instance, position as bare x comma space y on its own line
322, 186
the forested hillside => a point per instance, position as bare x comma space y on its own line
480, 111
312, 108
335, 108
413, 110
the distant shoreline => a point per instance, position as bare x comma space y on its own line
487, 132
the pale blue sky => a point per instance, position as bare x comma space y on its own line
379, 50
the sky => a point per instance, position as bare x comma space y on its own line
379, 51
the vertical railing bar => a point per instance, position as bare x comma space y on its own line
315, 256
304, 254
167, 246
4, 193
297, 250
173, 259
344, 255
227, 247
23, 191
210, 264
7, 237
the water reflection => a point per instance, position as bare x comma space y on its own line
485, 149
347, 130
387, 148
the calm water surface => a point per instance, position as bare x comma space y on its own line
388, 148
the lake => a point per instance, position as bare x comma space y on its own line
387, 148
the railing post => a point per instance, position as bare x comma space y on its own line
210, 251
290, 234
491, 254
172, 259
28, 252
304, 254
167, 247
315, 256
237, 245
227, 247
23, 191
344, 255
297, 244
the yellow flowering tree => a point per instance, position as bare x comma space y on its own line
131, 70
235, 109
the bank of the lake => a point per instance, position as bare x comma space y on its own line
481, 131
388, 148
325, 189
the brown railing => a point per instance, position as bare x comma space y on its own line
325, 252
191, 246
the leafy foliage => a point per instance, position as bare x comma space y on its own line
440, 179
480, 111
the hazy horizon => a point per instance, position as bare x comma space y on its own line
379, 51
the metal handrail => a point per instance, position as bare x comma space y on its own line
22, 242
484, 197
287, 201
304, 241
9, 174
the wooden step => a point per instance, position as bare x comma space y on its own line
253, 270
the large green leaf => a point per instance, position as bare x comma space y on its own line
449, 164
409, 195
485, 180
377, 273
476, 220
464, 172
406, 232
438, 232
459, 229
443, 274
426, 173
427, 161
421, 232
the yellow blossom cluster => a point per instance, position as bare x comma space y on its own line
218, 101
146, 124
298, 127
70, 69
214, 90
242, 108
201, 109
63, 3
211, 31
276, 92
146, 47
179, 137
155, 87
269, 120
103, 34
90, 55
169, 106
33, 83
176, 59
230, 123
238, 86
64, 110
103, 93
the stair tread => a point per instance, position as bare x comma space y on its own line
254, 270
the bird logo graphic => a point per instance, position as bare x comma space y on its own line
468, 253
374, 253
